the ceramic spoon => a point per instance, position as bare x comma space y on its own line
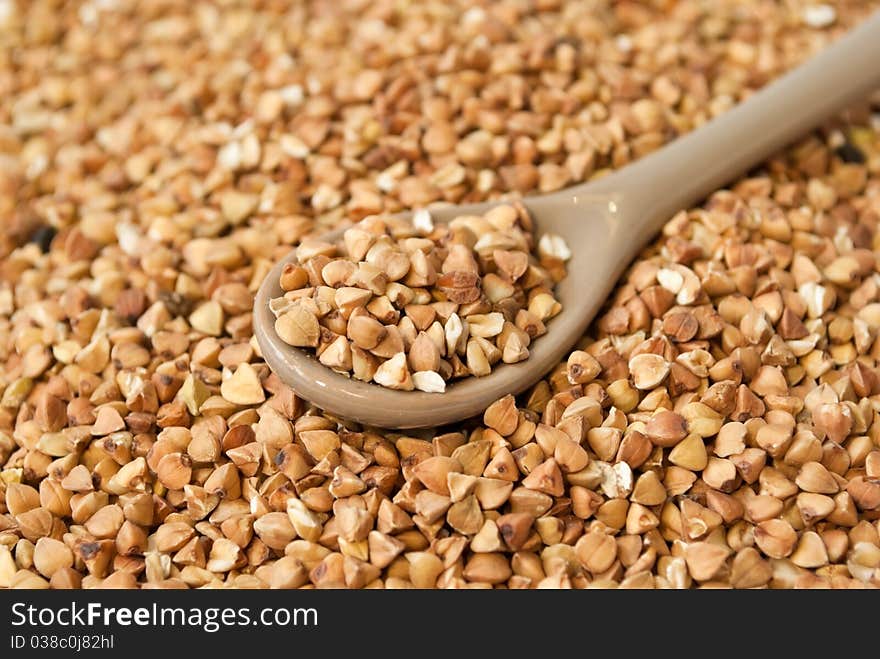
605, 222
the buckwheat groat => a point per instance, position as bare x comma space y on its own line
715, 428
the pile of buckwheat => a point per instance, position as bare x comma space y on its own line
717, 427
408, 305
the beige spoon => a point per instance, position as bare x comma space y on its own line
605, 223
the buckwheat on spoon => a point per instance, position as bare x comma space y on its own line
410, 305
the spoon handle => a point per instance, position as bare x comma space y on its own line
655, 187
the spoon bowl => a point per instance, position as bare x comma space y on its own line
589, 223
604, 222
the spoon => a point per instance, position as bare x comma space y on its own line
605, 222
